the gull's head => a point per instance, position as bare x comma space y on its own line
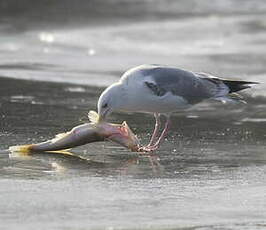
111, 99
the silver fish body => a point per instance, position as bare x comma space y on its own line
84, 134
79, 135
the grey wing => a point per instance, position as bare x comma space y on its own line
179, 82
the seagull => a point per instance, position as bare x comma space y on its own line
163, 90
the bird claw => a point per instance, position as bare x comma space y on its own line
148, 148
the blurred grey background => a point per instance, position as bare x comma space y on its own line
76, 41
56, 56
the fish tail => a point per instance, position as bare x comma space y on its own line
20, 148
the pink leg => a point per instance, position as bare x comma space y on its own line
164, 133
159, 141
156, 129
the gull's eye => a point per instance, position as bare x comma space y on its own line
105, 105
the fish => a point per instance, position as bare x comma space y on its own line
93, 131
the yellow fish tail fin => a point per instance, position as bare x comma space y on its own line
20, 148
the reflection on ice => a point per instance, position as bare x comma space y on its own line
77, 89
91, 52
11, 47
46, 37
249, 119
64, 162
21, 98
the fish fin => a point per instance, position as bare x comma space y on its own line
93, 117
63, 152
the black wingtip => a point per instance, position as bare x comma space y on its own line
251, 82
235, 86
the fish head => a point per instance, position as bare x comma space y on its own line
123, 135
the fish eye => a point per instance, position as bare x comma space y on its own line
105, 105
